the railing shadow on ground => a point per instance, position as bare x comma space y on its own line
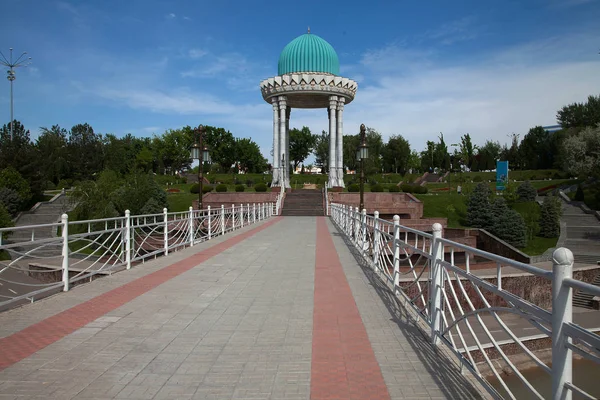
449, 380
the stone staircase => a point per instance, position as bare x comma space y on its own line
303, 202
43, 213
586, 300
583, 233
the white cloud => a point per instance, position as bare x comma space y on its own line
171, 16
454, 31
197, 53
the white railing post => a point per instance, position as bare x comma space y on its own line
253, 213
376, 240
128, 239
166, 232
363, 224
222, 219
356, 225
249, 214
191, 226
562, 313
241, 215
233, 217
348, 221
396, 253
436, 285
209, 224
65, 252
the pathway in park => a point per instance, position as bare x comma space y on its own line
277, 310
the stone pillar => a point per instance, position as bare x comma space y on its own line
276, 151
332, 181
340, 141
287, 148
283, 140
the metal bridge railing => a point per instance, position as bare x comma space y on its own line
47, 258
483, 322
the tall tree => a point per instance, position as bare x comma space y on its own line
302, 143
467, 150
321, 151
488, 154
441, 157
579, 115
396, 154
53, 153
249, 157
534, 150
85, 151
581, 153
428, 157
221, 144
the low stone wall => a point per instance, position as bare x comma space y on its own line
214, 200
386, 203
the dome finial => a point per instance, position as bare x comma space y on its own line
309, 29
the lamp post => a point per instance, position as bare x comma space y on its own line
200, 152
8, 62
362, 153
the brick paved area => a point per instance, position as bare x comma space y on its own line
227, 319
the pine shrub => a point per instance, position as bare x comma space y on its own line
478, 207
550, 217
221, 188
239, 188
507, 224
526, 192
354, 187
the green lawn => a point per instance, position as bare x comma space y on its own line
445, 205
538, 245
180, 201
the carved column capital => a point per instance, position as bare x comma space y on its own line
275, 102
341, 101
282, 102
333, 101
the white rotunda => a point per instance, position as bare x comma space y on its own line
308, 77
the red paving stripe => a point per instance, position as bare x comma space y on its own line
343, 363
22, 344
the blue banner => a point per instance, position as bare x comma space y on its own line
501, 175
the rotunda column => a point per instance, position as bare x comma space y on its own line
282, 140
276, 153
332, 181
287, 148
340, 141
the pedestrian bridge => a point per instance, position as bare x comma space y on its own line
242, 303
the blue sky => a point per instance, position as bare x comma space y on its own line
488, 68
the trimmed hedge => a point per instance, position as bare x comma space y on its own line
260, 187
221, 188
239, 188
195, 189
393, 188
354, 187
411, 188
377, 188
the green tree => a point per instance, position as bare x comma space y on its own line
10, 178
534, 150
53, 153
467, 150
302, 143
85, 151
414, 161
5, 220
441, 158
396, 154
526, 192
479, 206
96, 199
249, 156
507, 224
488, 154
140, 194
550, 217
428, 157
321, 151
511, 154
581, 152
578, 115
222, 146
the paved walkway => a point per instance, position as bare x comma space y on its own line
278, 310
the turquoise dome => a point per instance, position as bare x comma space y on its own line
308, 53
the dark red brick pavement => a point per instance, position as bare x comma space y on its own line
343, 362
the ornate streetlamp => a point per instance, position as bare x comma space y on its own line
200, 152
362, 153
8, 62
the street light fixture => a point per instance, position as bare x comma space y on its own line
200, 152
362, 153
8, 62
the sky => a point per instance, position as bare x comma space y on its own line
488, 68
